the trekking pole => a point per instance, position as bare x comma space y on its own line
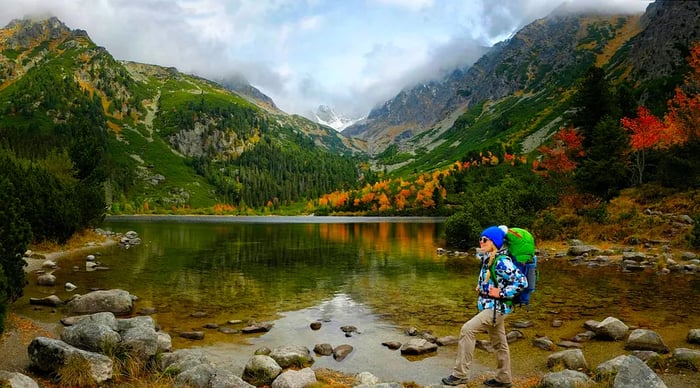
494, 311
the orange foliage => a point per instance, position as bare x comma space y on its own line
221, 208
646, 131
560, 158
683, 118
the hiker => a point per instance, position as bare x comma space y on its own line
499, 280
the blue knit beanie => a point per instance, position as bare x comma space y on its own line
495, 234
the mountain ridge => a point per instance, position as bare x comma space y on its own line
172, 139
542, 60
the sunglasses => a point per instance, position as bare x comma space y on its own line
484, 240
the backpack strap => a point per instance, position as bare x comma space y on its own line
492, 270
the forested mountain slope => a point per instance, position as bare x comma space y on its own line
165, 139
515, 96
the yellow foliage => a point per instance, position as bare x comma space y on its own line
114, 126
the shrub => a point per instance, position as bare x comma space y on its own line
461, 230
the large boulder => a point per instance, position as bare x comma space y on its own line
643, 339
50, 356
610, 328
115, 301
261, 370
686, 358
16, 380
611, 367
95, 333
295, 379
139, 336
565, 378
571, 359
181, 360
297, 356
634, 373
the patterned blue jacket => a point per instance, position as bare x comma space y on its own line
510, 280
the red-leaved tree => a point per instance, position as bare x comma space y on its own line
560, 158
646, 132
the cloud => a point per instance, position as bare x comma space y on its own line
351, 55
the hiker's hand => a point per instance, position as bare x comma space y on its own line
495, 292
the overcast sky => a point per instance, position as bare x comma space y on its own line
349, 54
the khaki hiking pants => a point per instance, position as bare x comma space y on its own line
483, 323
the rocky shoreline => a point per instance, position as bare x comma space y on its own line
646, 348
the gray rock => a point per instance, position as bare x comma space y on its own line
643, 339
578, 250
95, 333
514, 335
257, 328
611, 367
416, 346
196, 377
227, 379
292, 356
342, 351
571, 359
17, 380
323, 349
48, 355
261, 370
50, 301
181, 360
365, 378
569, 344
139, 336
295, 379
611, 328
685, 357
49, 264
193, 335
393, 345
634, 373
543, 343
165, 342
634, 256
115, 301
644, 355
693, 336
46, 279
565, 379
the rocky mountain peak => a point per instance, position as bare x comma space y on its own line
25, 33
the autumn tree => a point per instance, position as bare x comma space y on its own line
646, 132
679, 167
560, 158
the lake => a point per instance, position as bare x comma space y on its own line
381, 275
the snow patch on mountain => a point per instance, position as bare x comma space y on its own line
327, 116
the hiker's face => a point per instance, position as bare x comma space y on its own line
485, 244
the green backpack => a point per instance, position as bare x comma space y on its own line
521, 245
521, 248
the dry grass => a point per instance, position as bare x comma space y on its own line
76, 373
80, 239
623, 220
